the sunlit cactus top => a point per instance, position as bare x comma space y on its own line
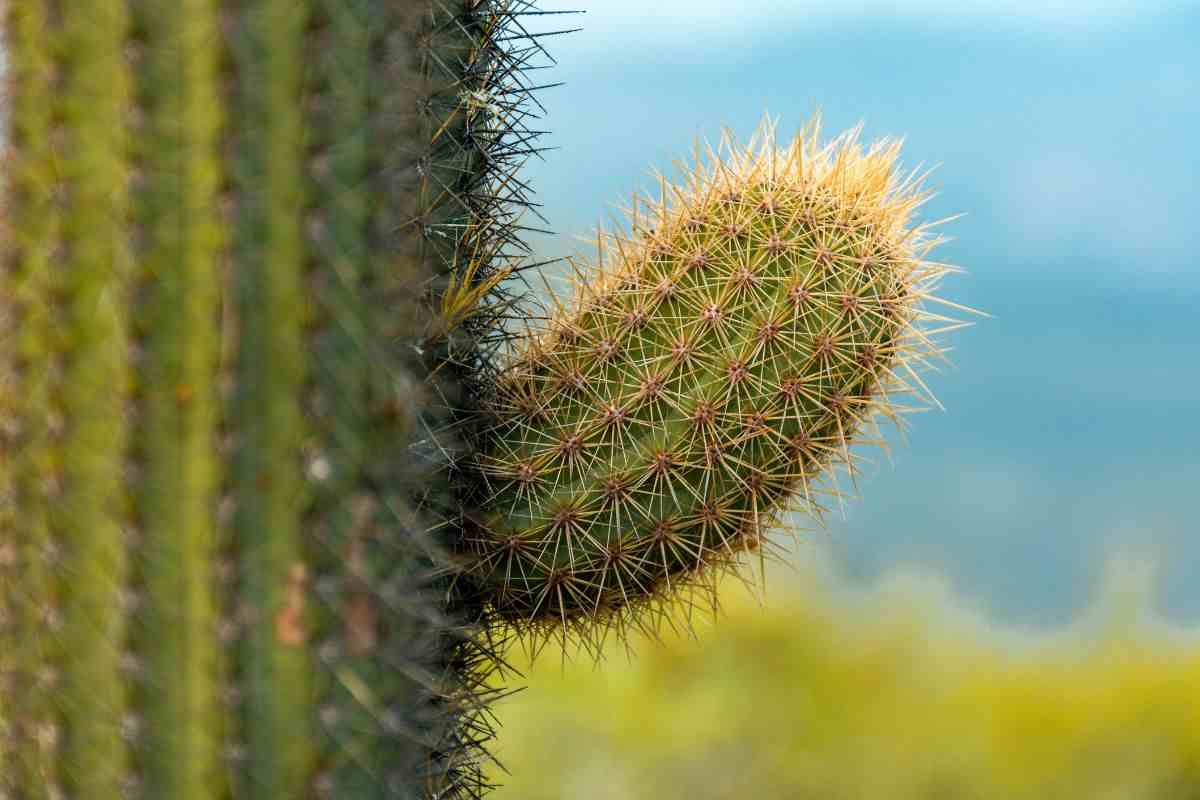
724, 357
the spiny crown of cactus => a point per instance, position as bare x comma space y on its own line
721, 359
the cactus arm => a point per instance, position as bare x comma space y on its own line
272, 671
174, 645
31, 229
89, 518
730, 354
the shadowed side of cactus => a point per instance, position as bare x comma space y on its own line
266, 613
251, 254
721, 360
406, 301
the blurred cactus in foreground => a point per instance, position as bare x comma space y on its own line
723, 358
226, 467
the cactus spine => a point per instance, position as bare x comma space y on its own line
224, 494
730, 353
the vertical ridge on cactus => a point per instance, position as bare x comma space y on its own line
172, 660
379, 97
460, 206
342, 512
85, 619
270, 669
31, 226
721, 360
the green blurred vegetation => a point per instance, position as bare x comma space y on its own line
898, 693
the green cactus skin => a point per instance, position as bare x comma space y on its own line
726, 358
31, 224
352, 697
236, 350
84, 619
387, 85
172, 663
271, 671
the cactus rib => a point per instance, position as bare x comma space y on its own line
172, 660
272, 663
31, 223
90, 517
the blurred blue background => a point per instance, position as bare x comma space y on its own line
1067, 132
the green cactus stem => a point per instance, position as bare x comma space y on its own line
720, 361
31, 224
269, 615
249, 294
172, 663
83, 617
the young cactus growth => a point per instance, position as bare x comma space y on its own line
723, 358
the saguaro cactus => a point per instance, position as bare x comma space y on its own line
729, 354
228, 227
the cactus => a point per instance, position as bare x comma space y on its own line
728, 355
225, 482
277, 481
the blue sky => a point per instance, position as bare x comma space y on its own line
1065, 131
668, 22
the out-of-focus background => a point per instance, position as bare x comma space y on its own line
1066, 132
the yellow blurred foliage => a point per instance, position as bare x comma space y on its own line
897, 694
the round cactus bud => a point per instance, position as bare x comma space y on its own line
722, 360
